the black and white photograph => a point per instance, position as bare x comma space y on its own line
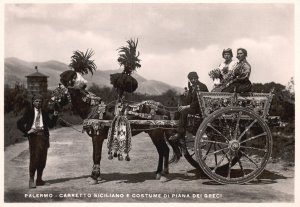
149, 102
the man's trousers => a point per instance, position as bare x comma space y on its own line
38, 148
183, 119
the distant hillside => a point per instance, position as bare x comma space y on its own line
16, 70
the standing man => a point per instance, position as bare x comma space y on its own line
192, 108
240, 77
34, 124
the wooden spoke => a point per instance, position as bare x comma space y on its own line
220, 161
216, 160
227, 126
254, 148
209, 125
214, 142
223, 152
215, 152
244, 132
240, 164
237, 124
249, 158
255, 137
229, 167
204, 158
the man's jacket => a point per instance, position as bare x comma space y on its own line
24, 124
193, 99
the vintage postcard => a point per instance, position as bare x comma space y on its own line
154, 102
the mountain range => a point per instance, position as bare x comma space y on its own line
16, 70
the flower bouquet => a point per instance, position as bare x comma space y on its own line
215, 74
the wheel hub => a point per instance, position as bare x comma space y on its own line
234, 145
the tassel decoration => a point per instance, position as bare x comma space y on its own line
119, 137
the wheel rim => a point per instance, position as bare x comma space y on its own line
233, 145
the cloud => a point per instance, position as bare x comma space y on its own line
271, 59
173, 68
59, 46
174, 39
47, 12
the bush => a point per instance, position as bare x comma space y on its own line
11, 133
168, 98
15, 99
282, 105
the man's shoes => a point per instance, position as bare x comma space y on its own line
41, 183
31, 183
176, 137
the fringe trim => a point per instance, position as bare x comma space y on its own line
119, 138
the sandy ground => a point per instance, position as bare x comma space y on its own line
69, 165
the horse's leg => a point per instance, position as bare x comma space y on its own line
97, 151
175, 147
157, 137
166, 151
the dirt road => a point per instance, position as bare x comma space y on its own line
70, 162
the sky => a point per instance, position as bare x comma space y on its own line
174, 39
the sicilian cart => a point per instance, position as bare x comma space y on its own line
233, 143
230, 141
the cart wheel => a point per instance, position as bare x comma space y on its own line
190, 154
233, 145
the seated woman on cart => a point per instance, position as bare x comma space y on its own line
225, 69
237, 79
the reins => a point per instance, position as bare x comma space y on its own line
70, 124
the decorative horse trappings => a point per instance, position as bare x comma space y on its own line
101, 122
119, 138
99, 119
60, 95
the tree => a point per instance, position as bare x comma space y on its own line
291, 89
281, 104
15, 99
107, 94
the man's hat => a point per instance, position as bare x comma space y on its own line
192, 75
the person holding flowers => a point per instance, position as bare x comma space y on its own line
222, 74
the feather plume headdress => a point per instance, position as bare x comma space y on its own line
129, 57
81, 62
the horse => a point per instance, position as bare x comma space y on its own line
81, 103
